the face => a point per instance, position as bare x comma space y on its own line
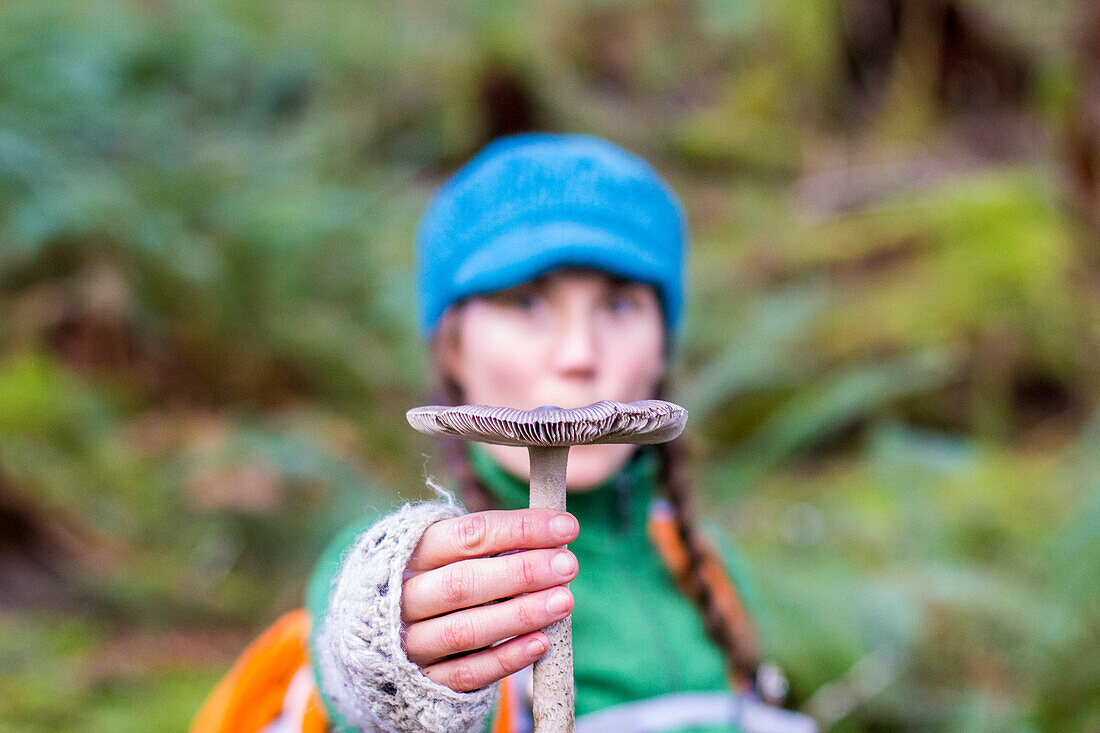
569, 338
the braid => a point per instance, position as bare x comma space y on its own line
735, 642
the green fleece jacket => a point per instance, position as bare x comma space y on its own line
635, 636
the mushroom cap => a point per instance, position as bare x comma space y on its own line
646, 421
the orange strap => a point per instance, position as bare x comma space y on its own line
505, 714
251, 695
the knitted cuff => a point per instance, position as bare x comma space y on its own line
364, 670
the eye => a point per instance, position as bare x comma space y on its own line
621, 302
525, 300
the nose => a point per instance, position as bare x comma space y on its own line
577, 353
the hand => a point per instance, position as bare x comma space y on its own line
453, 578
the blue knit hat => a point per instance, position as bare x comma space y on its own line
532, 203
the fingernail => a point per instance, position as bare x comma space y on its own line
558, 602
563, 525
563, 563
535, 648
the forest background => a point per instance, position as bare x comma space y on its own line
891, 359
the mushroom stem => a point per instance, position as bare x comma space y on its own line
553, 672
548, 476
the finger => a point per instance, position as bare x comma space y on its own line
431, 640
489, 533
473, 582
474, 671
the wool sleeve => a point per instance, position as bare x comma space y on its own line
366, 679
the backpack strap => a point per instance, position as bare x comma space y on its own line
257, 690
512, 713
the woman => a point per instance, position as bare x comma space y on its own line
549, 272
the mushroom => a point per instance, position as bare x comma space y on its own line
547, 433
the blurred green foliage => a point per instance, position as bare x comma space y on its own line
207, 343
